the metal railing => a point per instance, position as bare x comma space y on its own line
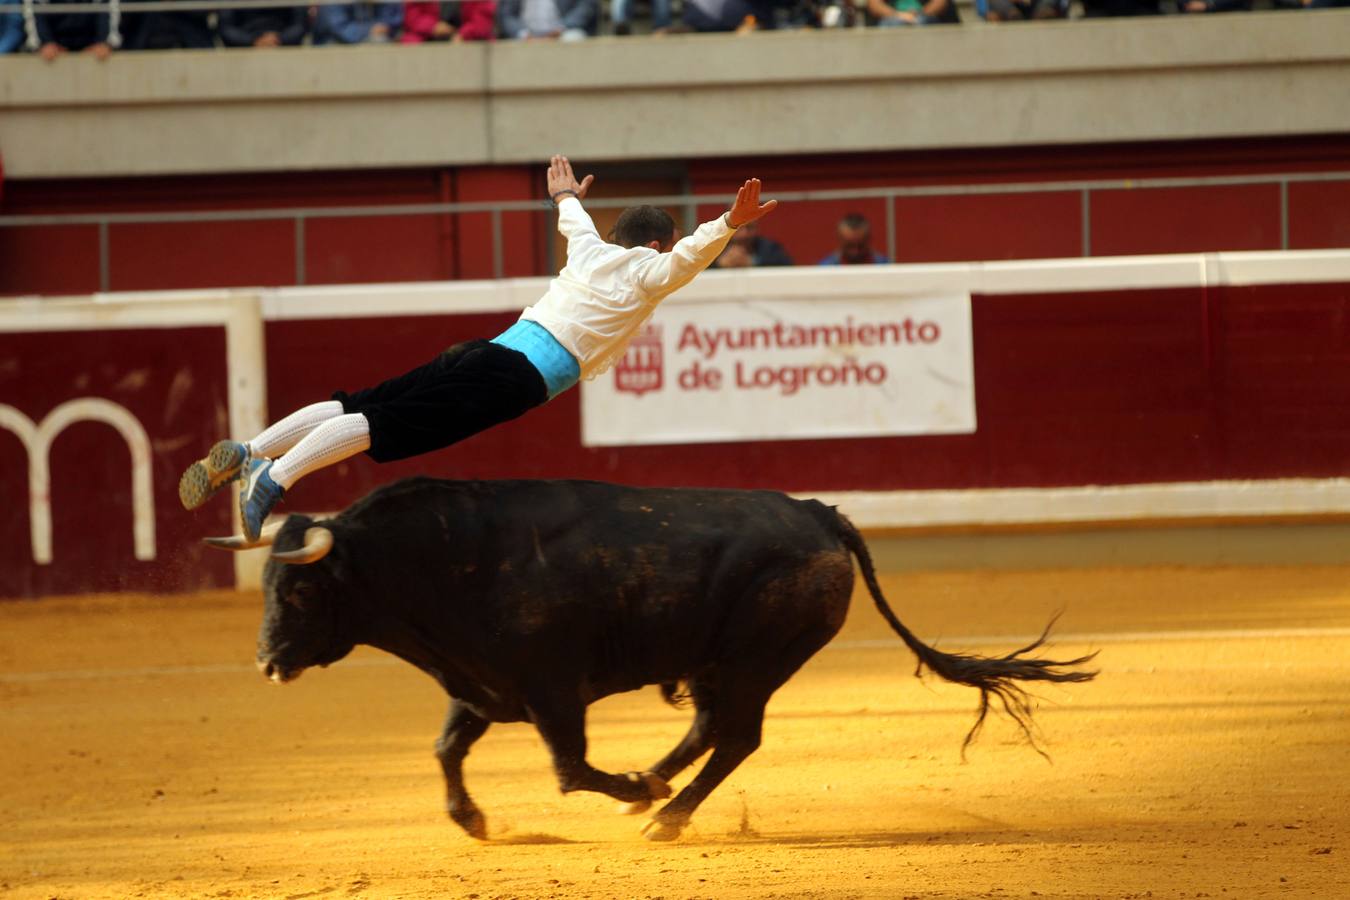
689, 203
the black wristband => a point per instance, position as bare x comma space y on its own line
554, 199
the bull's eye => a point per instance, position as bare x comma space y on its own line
300, 596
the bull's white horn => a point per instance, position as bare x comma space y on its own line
318, 541
240, 542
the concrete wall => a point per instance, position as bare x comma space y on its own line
691, 97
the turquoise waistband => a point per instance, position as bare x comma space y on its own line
559, 368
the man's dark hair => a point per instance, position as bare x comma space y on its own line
640, 225
855, 222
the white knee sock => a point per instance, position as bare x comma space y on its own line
331, 442
284, 435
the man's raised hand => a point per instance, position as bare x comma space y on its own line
747, 207
560, 178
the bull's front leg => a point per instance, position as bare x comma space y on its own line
561, 720
462, 728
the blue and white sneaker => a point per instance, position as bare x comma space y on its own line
257, 496
206, 476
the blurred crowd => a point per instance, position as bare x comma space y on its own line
25, 26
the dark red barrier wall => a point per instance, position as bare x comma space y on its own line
174, 382
1283, 380
928, 229
1071, 389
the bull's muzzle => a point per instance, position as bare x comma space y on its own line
276, 673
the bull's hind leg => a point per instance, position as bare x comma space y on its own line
462, 728
738, 722
736, 725
561, 720
696, 742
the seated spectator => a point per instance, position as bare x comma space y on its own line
11, 27
170, 31
619, 10
357, 23
96, 33
282, 26
476, 21
1213, 6
548, 20
1094, 9
832, 14
1021, 10
733, 256
903, 13
424, 22
740, 16
748, 247
855, 243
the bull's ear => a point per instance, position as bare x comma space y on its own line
318, 541
240, 542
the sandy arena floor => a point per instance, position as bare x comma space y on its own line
143, 756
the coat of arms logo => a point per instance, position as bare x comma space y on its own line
641, 369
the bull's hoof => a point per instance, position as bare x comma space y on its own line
471, 820
657, 789
657, 830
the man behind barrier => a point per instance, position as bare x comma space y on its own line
579, 328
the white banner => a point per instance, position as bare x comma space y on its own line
786, 369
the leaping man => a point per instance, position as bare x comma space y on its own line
578, 329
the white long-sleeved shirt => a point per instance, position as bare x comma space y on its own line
605, 292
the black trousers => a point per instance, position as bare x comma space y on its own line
465, 390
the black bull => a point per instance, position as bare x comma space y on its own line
529, 600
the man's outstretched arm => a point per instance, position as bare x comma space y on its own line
671, 271
574, 223
562, 182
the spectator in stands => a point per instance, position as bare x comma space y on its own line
733, 256
548, 20
1021, 10
748, 247
96, 33
1093, 9
718, 15
619, 10
282, 26
855, 243
424, 22
903, 13
11, 27
1213, 6
740, 16
357, 23
170, 31
476, 21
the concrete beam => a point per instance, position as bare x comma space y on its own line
696, 96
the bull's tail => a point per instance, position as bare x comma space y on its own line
995, 677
